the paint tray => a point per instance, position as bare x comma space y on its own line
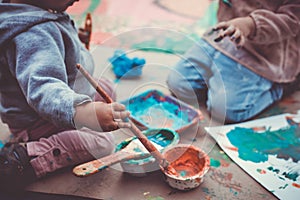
153, 109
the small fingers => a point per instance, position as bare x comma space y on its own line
238, 38
228, 31
121, 115
241, 42
221, 25
118, 107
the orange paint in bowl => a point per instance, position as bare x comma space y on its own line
189, 164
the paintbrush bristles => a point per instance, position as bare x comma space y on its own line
94, 84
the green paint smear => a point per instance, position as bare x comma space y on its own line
215, 163
256, 147
154, 198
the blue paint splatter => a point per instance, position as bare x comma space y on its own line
124, 67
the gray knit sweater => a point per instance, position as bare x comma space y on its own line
39, 51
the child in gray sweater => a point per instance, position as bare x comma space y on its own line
55, 116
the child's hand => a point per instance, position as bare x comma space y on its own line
112, 116
100, 116
237, 29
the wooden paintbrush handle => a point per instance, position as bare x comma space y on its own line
94, 84
88, 28
146, 142
95, 166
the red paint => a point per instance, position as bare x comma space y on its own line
261, 171
296, 185
224, 163
259, 128
225, 179
233, 148
187, 161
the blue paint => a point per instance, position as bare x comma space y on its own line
124, 67
1, 144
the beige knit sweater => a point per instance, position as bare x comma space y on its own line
273, 51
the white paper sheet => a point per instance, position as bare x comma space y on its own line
273, 173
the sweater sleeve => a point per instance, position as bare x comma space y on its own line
41, 72
276, 26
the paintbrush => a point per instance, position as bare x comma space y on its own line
88, 29
134, 150
144, 140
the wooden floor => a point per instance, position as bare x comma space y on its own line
226, 181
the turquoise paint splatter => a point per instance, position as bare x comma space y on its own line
256, 147
283, 187
273, 169
252, 146
215, 163
292, 176
1, 144
183, 173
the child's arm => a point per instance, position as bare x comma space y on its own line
263, 26
101, 116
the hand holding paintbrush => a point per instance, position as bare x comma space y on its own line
144, 140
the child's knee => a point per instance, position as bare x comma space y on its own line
180, 88
228, 110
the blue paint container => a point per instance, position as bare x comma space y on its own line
153, 109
